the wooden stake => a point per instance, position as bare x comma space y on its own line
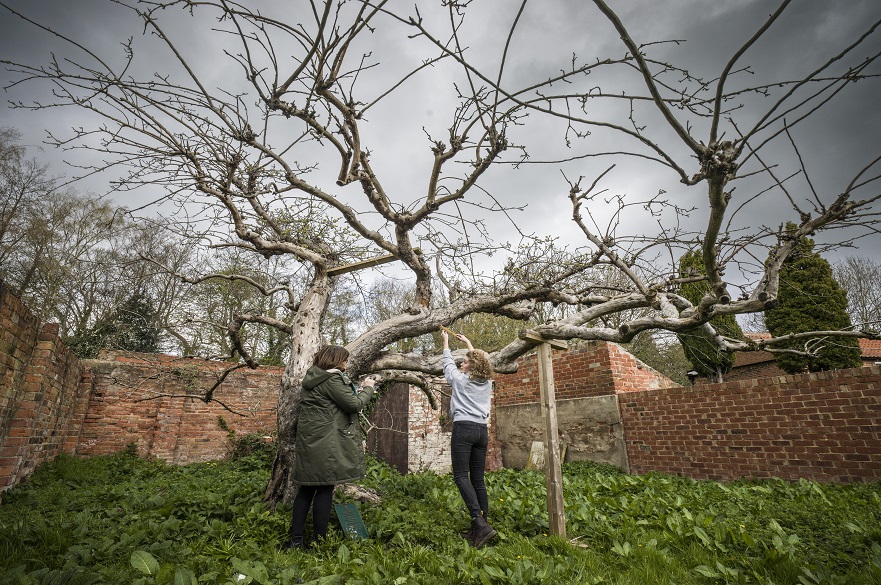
366, 264
361, 265
553, 463
533, 336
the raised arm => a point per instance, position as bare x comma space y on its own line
465, 340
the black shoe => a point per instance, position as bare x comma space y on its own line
481, 532
296, 543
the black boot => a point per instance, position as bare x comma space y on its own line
296, 543
481, 532
469, 534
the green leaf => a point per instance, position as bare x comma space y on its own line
622, 549
144, 562
707, 571
184, 576
343, 554
705, 538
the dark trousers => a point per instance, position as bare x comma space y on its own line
320, 499
468, 452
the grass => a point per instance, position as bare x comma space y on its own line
121, 519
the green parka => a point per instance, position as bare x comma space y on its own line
328, 447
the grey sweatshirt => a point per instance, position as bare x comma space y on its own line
470, 400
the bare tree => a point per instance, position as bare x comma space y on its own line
861, 278
282, 160
77, 258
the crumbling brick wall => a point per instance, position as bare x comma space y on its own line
596, 368
586, 381
154, 402
39, 392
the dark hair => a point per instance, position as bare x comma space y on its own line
481, 368
331, 356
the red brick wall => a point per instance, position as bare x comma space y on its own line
50, 402
39, 392
824, 426
153, 401
596, 368
631, 374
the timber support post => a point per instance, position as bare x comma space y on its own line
553, 462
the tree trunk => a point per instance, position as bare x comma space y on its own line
305, 343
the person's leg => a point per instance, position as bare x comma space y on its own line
481, 531
321, 506
302, 503
477, 468
464, 436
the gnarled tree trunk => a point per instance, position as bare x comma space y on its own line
305, 343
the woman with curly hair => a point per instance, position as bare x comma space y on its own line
471, 385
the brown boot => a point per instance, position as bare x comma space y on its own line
481, 532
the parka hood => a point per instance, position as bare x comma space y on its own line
315, 376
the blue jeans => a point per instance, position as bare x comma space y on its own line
468, 452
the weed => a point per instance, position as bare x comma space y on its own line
122, 519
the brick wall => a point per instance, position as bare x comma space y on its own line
154, 402
590, 369
764, 369
39, 395
586, 380
18, 338
824, 426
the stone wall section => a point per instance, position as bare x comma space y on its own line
587, 379
589, 430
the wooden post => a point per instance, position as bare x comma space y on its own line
553, 462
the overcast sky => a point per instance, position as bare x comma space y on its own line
834, 146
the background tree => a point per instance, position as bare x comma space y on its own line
811, 300
133, 326
305, 152
705, 356
663, 352
76, 259
860, 277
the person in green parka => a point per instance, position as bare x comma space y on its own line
328, 448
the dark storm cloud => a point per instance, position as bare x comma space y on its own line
835, 144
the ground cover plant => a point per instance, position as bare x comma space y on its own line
123, 519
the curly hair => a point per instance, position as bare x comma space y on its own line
481, 368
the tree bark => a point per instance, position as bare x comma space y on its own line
305, 343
